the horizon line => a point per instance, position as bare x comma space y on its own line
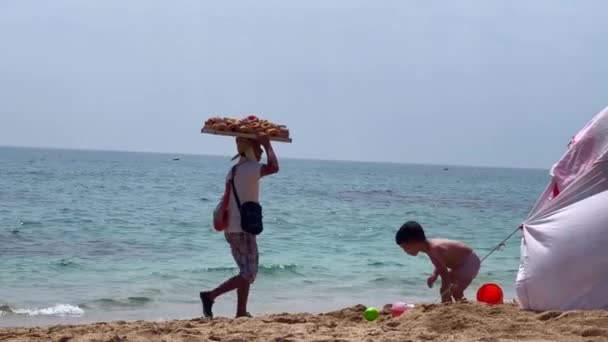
288, 158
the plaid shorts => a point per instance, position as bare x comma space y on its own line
245, 252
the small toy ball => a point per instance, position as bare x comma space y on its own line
399, 308
371, 314
490, 294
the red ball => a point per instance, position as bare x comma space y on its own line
490, 294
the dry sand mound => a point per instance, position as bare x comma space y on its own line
460, 322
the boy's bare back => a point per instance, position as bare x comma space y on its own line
453, 253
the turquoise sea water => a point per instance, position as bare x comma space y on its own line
88, 236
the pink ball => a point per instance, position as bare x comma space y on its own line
399, 308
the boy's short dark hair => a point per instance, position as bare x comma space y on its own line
411, 231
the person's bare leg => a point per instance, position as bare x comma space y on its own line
460, 283
208, 298
233, 283
446, 294
242, 299
464, 276
458, 292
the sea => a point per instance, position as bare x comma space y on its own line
88, 236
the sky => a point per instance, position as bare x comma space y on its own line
492, 83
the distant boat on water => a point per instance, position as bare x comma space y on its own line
175, 158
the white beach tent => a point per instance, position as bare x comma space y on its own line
564, 249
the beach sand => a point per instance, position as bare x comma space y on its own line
457, 322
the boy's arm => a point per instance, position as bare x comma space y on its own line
431, 280
435, 273
442, 270
272, 164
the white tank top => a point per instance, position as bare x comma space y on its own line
247, 183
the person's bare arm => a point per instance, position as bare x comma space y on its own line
432, 279
272, 163
442, 271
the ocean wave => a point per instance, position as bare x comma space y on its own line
273, 269
183, 225
109, 303
444, 201
381, 264
164, 275
5, 309
395, 281
65, 263
263, 269
30, 223
367, 193
57, 310
37, 172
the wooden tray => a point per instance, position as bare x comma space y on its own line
242, 135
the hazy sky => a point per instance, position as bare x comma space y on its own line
456, 82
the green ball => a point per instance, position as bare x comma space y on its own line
371, 314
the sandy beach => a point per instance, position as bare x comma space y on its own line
459, 322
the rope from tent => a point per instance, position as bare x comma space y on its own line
501, 244
498, 247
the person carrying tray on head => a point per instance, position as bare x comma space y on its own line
244, 179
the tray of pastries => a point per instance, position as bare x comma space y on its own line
248, 127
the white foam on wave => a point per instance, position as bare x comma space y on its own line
57, 310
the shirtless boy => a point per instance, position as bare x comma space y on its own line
455, 262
